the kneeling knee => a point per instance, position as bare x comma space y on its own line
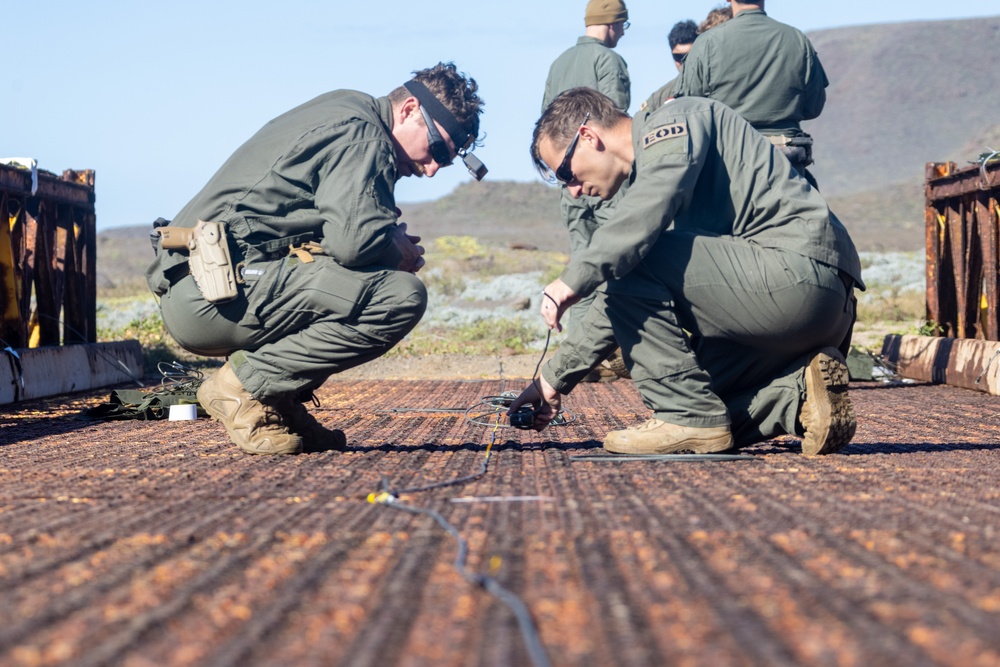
400, 302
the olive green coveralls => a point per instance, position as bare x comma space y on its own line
659, 96
587, 64
725, 272
766, 71
322, 172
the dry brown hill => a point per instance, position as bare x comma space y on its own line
901, 95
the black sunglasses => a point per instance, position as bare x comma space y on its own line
431, 108
564, 174
679, 57
436, 143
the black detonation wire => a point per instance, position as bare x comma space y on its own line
526, 624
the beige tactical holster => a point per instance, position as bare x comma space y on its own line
209, 260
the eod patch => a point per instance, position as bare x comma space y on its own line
663, 134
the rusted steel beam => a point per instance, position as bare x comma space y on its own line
987, 221
933, 233
958, 244
10, 313
967, 363
75, 192
29, 260
81, 292
52, 237
947, 180
963, 268
46, 302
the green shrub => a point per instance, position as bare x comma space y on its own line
510, 336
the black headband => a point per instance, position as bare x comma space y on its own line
438, 112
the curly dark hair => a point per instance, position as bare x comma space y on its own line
455, 90
683, 32
562, 118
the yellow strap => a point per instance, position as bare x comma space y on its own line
302, 253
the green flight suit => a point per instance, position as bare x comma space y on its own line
587, 64
766, 71
724, 272
324, 171
659, 96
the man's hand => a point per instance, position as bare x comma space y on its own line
556, 300
539, 393
409, 248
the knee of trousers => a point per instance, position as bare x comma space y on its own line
396, 305
195, 324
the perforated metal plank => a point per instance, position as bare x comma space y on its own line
144, 543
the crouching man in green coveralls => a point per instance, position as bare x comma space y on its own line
324, 271
729, 281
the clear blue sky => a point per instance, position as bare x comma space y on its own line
155, 96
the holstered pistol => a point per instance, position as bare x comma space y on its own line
209, 260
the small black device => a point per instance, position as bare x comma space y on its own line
432, 107
473, 164
523, 418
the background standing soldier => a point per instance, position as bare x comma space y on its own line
591, 63
680, 39
766, 71
729, 281
321, 274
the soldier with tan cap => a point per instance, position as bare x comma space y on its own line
591, 63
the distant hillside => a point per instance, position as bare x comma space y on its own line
900, 95
501, 211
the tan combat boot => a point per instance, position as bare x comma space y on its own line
660, 437
315, 436
826, 415
255, 427
603, 373
616, 362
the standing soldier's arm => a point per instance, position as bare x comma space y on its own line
815, 91
548, 96
693, 80
613, 80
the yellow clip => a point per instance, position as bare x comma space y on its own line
382, 497
495, 563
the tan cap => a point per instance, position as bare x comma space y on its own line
605, 12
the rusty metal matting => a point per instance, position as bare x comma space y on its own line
158, 543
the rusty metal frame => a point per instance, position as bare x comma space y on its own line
962, 217
48, 257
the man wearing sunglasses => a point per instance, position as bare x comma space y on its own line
323, 270
729, 281
591, 63
766, 71
680, 39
